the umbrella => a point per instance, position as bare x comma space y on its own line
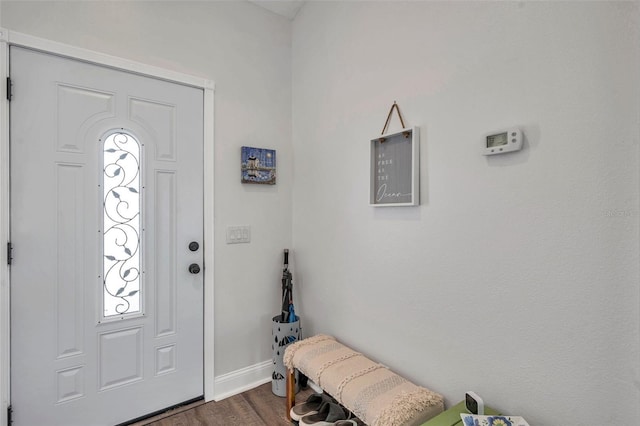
288, 313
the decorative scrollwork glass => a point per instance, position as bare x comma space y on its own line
121, 225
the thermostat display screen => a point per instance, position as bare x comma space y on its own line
497, 140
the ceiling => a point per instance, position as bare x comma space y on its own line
287, 8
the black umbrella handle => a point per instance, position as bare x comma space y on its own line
286, 258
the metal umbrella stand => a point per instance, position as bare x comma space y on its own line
285, 330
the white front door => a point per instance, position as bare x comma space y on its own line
107, 229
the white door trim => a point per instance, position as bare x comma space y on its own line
9, 38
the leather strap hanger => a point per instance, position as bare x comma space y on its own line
386, 124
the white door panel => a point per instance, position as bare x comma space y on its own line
69, 364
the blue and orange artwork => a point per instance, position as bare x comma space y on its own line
258, 165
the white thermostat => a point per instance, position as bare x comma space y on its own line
506, 141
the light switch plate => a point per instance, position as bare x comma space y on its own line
238, 234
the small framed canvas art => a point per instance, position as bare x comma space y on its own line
395, 169
258, 165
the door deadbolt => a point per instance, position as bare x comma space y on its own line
194, 246
194, 268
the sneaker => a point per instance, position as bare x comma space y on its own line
328, 414
310, 406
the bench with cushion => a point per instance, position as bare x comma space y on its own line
375, 394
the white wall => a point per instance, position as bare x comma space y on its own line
247, 52
517, 276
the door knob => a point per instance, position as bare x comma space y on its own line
194, 268
194, 246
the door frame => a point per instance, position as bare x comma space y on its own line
12, 38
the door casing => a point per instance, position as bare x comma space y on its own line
9, 38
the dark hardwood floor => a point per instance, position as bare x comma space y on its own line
256, 407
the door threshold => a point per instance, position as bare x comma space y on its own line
165, 412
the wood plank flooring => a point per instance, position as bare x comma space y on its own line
256, 407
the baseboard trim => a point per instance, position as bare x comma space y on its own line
242, 380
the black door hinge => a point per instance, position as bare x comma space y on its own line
9, 249
9, 91
9, 415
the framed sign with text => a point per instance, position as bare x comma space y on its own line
395, 169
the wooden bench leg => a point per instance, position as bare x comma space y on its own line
291, 392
